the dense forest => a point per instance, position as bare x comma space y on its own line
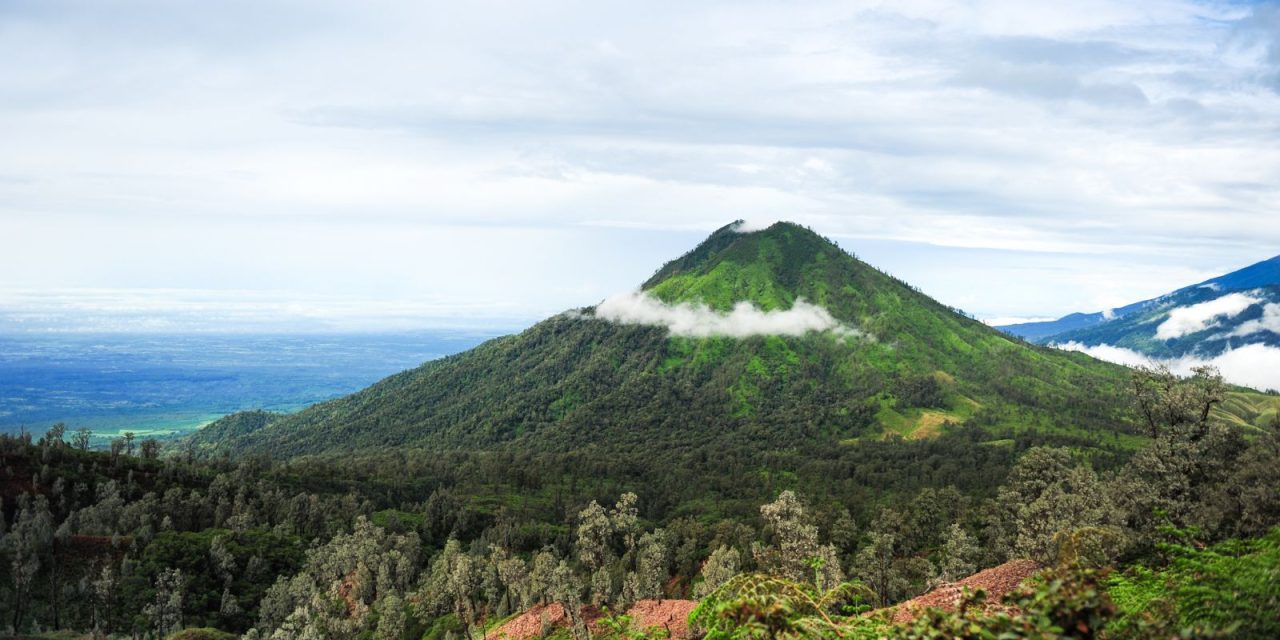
1173, 538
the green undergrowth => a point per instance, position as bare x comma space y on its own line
1234, 586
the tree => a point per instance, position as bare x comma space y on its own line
81, 438
565, 590
794, 539
1075, 501
625, 519
391, 618
150, 449
53, 437
1035, 471
719, 567
26, 543
960, 554
514, 575
128, 442
1166, 401
165, 611
844, 532
464, 582
875, 566
595, 530
1172, 480
542, 577
222, 560
103, 596
651, 567
229, 607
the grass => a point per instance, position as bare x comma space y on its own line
1248, 410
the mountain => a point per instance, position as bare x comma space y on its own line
1203, 320
914, 367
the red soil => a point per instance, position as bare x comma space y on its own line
671, 615
529, 624
996, 581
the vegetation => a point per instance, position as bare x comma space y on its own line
584, 467
151, 546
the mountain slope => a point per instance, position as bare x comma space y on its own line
575, 381
1130, 320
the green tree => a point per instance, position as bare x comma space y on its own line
391, 618
719, 567
165, 610
875, 566
27, 543
81, 438
960, 554
651, 567
794, 539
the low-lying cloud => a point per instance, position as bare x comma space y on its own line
1254, 365
696, 320
1270, 321
1198, 317
752, 226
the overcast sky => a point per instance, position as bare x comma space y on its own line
370, 164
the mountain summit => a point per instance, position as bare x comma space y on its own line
918, 369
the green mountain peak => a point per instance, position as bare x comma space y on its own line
771, 268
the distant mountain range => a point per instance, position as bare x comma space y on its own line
1125, 321
1205, 319
1201, 322
751, 343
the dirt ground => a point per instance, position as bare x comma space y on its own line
672, 615
996, 581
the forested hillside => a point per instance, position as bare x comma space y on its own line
408, 547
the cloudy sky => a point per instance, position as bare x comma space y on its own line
376, 163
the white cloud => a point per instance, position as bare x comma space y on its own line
1190, 319
752, 226
1270, 321
1109, 314
1254, 365
700, 321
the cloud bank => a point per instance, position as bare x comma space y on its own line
693, 320
1253, 365
1198, 317
1084, 154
